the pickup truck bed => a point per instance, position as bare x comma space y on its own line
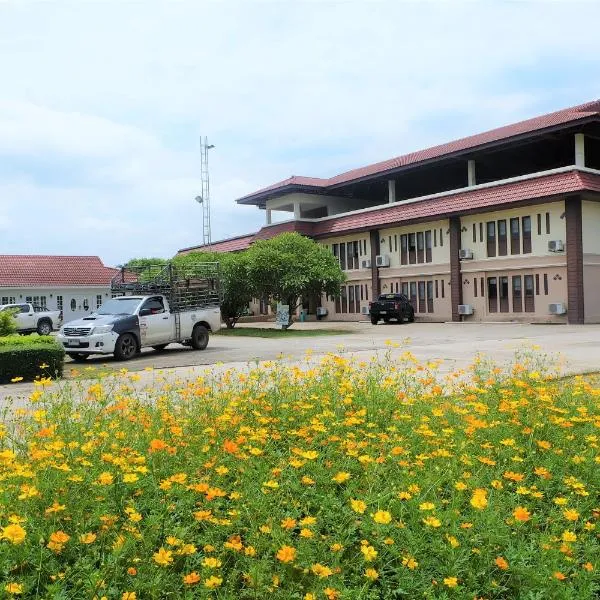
391, 306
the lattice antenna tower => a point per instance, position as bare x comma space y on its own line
204, 197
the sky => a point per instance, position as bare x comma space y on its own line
102, 103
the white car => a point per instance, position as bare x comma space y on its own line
32, 319
125, 324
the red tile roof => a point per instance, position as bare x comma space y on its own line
546, 186
44, 270
234, 244
561, 117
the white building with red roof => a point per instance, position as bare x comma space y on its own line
77, 285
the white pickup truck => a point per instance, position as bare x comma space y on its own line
125, 324
34, 319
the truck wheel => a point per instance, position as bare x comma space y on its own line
44, 327
374, 320
77, 356
199, 337
159, 347
411, 316
126, 347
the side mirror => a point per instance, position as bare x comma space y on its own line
145, 312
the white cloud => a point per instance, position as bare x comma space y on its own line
102, 103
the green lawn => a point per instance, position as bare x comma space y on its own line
280, 333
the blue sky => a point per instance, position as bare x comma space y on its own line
101, 104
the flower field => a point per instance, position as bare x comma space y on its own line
334, 480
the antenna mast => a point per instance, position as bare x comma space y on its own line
204, 197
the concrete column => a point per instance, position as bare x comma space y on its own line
574, 246
471, 173
391, 190
455, 273
375, 284
269, 216
296, 210
579, 150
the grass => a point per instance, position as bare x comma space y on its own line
333, 480
264, 332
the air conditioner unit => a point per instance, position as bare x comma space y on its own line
465, 254
556, 246
557, 308
365, 263
321, 311
364, 310
382, 260
465, 309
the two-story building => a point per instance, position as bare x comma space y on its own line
503, 225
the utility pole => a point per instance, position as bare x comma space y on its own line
204, 197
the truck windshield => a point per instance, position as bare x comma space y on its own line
119, 306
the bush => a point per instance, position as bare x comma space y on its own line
8, 324
29, 358
336, 481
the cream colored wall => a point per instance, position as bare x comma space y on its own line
590, 218
591, 288
439, 254
356, 279
335, 204
539, 243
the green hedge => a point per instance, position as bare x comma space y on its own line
30, 357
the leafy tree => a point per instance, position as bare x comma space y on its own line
144, 262
289, 266
237, 293
8, 324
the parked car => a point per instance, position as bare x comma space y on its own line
34, 319
391, 306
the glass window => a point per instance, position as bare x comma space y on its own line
539, 224
491, 238
492, 285
526, 226
155, 304
428, 257
420, 247
403, 249
413, 294
547, 222
98, 301
502, 247
430, 296
517, 294
529, 293
422, 305
515, 236
73, 304
503, 289
412, 248
86, 304
59, 302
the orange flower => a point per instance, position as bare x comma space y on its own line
321, 571
501, 563
191, 578
286, 554
521, 514
558, 575
288, 523
157, 445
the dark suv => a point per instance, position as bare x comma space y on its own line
391, 306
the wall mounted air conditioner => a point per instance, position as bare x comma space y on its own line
465, 254
556, 246
557, 308
382, 260
465, 309
321, 311
365, 263
364, 310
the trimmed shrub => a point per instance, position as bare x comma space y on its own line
8, 324
29, 358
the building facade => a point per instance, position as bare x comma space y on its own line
500, 226
77, 285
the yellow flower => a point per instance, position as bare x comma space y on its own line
15, 534
432, 522
87, 538
129, 596
383, 517
306, 480
191, 578
163, 557
358, 506
321, 571
16, 379
331, 593
369, 553
130, 478
460, 486
105, 478
286, 554
410, 562
306, 533
450, 582
569, 536
570, 514
453, 541
479, 499
371, 574
341, 477
213, 582
14, 588
211, 563
427, 506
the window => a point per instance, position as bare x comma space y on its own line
155, 304
492, 292
474, 232
529, 295
405, 288
342, 256
475, 287
526, 227
73, 304
352, 261
491, 238
395, 243
430, 296
481, 232
412, 248
59, 302
502, 237
545, 284
344, 299
442, 288
435, 237
413, 294
503, 293
420, 247
5, 300
517, 294
24, 308
362, 292
422, 305
29, 299
441, 237
436, 289
366, 292
403, 249
515, 236
98, 300
482, 287
537, 284
547, 222
539, 223
428, 257
86, 304
351, 299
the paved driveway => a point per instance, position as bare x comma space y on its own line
577, 346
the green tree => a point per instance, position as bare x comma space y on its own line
237, 292
289, 266
8, 324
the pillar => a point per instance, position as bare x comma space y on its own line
579, 150
296, 210
269, 216
455, 273
575, 304
391, 190
471, 181
375, 290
